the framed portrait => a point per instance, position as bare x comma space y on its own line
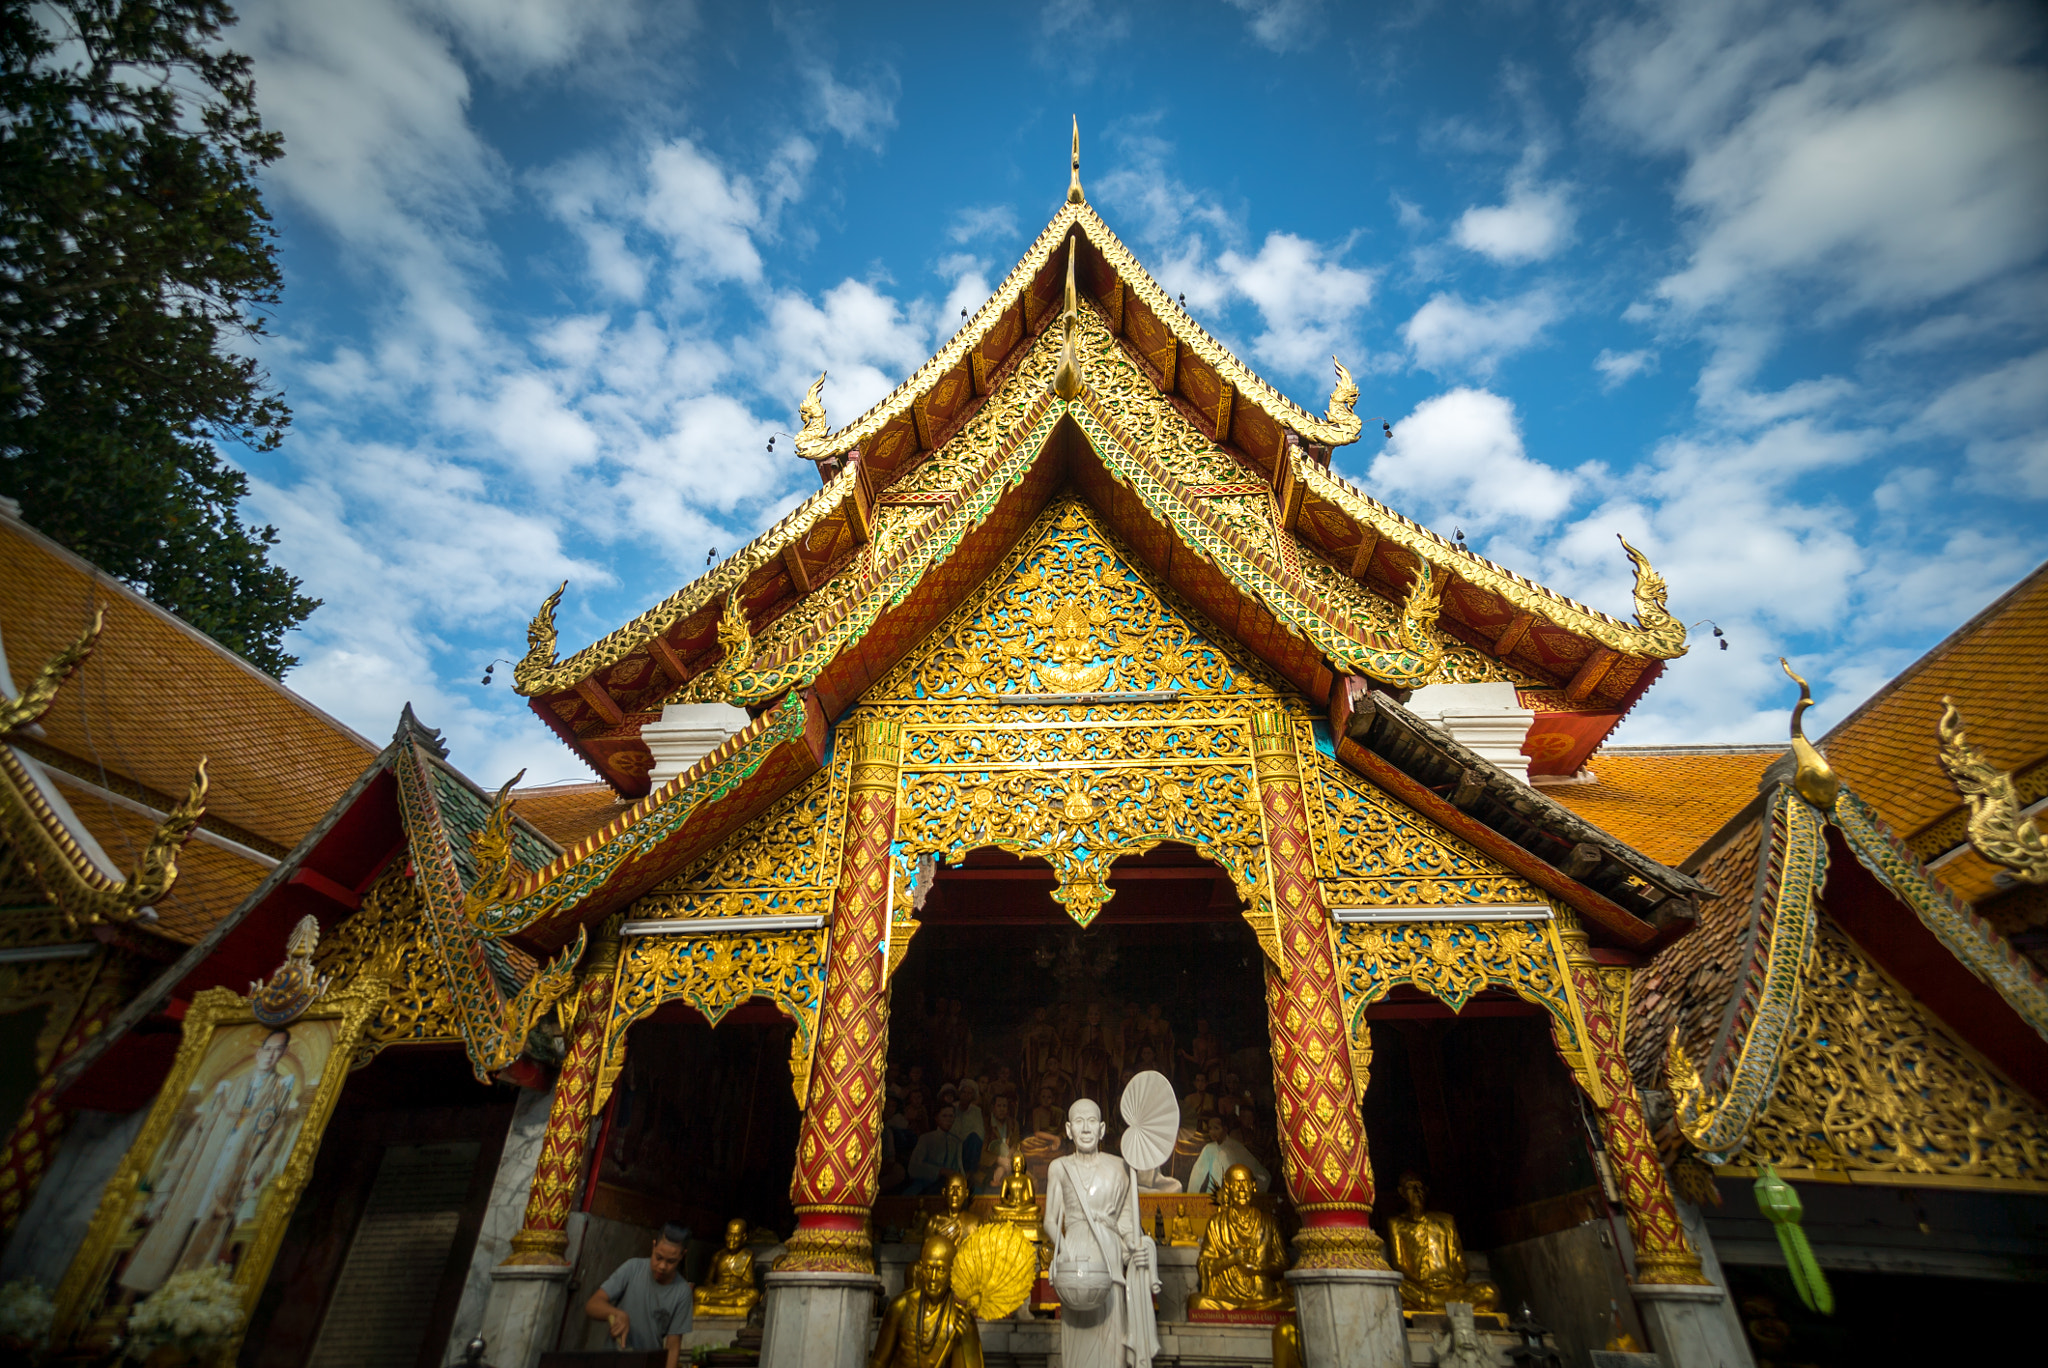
220, 1160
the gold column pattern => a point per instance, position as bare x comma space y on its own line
544, 1236
839, 1150
1329, 1173
1663, 1254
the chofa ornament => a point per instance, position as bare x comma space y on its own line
294, 985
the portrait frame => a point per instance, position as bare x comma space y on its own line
216, 1016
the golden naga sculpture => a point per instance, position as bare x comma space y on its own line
1242, 1254
491, 848
1650, 595
1419, 613
719, 684
540, 641
955, 1222
728, 1288
1997, 830
925, 1325
1066, 377
1343, 395
46, 845
815, 430
1431, 1257
1814, 780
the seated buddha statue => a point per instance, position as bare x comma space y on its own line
1431, 1258
728, 1288
1017, 1200
955, 1221
1242, 1255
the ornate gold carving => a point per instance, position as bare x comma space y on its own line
292, 986
782, 863
1343, 396
1373, 852
538, 662
736, 653
35, 700
1873, 1084
1066, 376
1450, 961
1815, 782
491, 850
829, 1251
1997, 831
812, 412
385, 937
1339, 1246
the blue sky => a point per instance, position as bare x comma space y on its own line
1762, 285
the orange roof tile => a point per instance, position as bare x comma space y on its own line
1665, 800
1992, 666
155, 695
211, 882
1687, 985
566, 813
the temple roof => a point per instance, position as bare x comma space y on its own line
115, 750
1665, 800
1216, 465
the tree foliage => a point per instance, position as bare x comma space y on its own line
136, 259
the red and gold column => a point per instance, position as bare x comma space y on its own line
557, 1174
33, 1142
1329, 1174
1663, 1254
839, 1151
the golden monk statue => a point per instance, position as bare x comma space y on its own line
728, 1289
1242, 1255
925, 1326
1017, 1203
956, 1222
1431, 1258
1180, 1231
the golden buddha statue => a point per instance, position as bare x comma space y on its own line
1426, 1249
1017, 1202
955, 1223
728, 1289
1242, 1254
925, 1325
1180, 1229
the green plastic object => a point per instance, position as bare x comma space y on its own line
1780, 1205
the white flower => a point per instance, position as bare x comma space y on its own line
197, 1309
25, 1311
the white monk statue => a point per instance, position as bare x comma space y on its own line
1102, 1262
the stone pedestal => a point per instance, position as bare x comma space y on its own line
1350, 1317
819, 1320
1688, 1326
524, 1313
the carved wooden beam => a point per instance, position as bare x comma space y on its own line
1513, 635
1590, 674
1361, 560
665, 654
600, 702
1224, 405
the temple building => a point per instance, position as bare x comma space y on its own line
1084, 738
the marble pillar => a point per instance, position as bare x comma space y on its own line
1349, 1317
1689, 1326
819, 1319
502, 1217
54, 1223
524, 1313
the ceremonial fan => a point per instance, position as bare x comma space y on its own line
994, 1271
1151, 1121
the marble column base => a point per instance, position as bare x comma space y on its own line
1688, 1326
819, 1320
1350, 1317
524, 1315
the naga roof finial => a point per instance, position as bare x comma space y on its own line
1074, 195
812, 411
1814, 780
1066, 377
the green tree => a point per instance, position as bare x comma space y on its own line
136, 259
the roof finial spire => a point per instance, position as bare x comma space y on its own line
1074, 195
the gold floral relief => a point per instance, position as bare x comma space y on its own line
1873, 1084
1373, 852
385, 936
783, 862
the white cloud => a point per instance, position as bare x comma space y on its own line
1531, 225
1308, 300
859, 114
1618, 368
1282, 25
1462, 454
975, 222
1447, 334
2002, 415
1891, 151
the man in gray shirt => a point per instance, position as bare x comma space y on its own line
646, 1303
